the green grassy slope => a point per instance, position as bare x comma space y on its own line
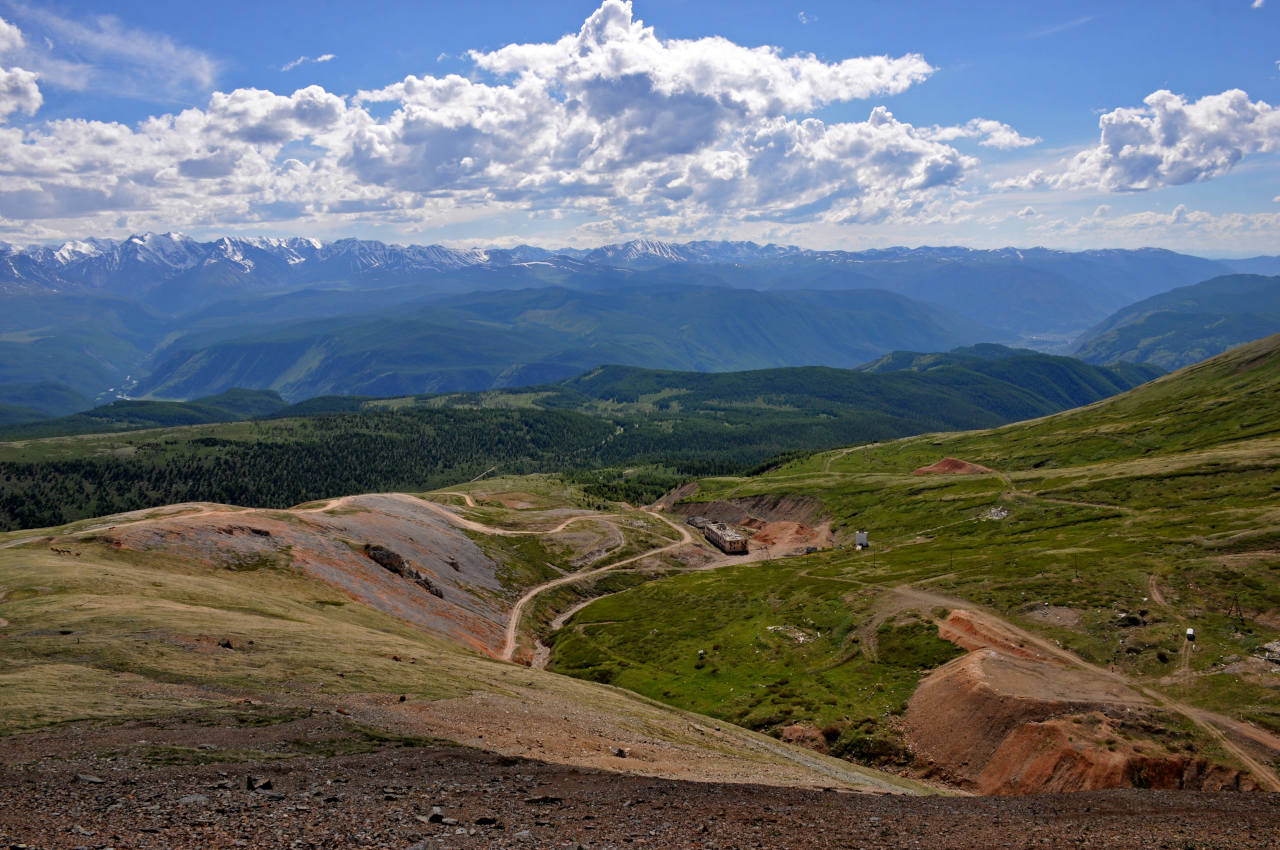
85, 342
1187, 324
1166, 491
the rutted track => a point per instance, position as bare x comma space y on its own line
517, 611
513, 624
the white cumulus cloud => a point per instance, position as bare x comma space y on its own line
1168, 141
613, 47
10, 36
18, 92
991, 134
304, 60
610, 124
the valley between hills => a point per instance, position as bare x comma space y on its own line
339, 672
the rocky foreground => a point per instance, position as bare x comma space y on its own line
264, 780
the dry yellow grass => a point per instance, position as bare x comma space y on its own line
103, 635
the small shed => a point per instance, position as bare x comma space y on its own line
697, 521
1191, 635
861, 540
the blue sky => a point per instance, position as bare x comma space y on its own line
842, 125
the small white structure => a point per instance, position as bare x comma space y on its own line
861, 540
1191, 635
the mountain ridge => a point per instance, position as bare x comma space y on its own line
113, 265
1187, 324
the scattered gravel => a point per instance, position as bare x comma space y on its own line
281, 786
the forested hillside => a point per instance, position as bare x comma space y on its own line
626, 433
516, 338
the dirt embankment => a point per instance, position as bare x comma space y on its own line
953, 466
760, 509
670, 500
388, 551
1009, 718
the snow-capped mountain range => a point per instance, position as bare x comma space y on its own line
142, 262
1026, 290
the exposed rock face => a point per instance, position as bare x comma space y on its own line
783, 525
1008, 718
804, 736
758, 509
952, 466
1086, 752
394, 563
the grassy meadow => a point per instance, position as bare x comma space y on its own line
1111, 529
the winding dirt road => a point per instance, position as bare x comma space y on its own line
1153, 590
513, 623
517, 611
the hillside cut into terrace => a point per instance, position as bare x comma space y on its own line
779, 525
998, 724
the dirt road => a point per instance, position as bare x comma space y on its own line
513, 623
118, 521
517, 611
472, 525
1153, 590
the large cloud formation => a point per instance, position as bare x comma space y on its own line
611, 123
18, 89
1167, 142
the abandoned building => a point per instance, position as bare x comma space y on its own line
728, 540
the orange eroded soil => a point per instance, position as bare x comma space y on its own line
953, 466
1020, 714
